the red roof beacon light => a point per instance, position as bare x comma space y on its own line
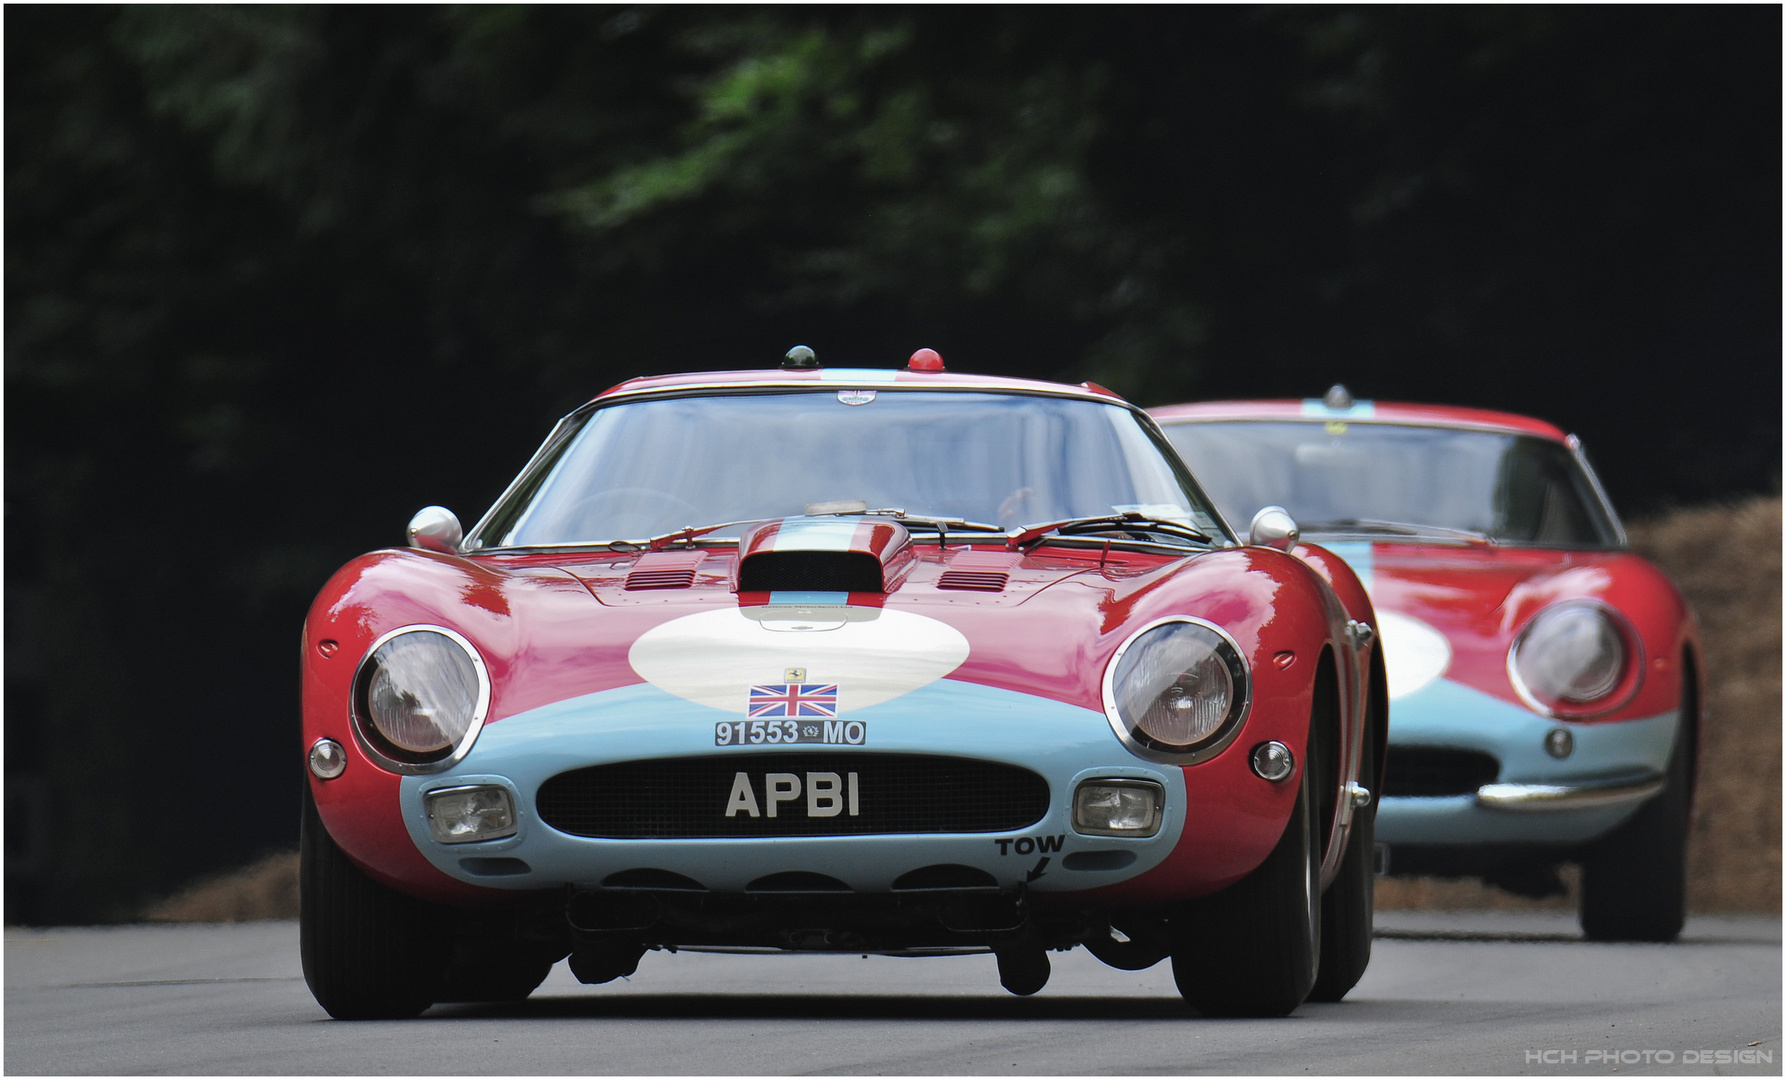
925, 360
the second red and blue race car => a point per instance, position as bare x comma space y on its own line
1546, 679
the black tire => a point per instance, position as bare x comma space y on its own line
369, 952
1634, 881
1348, 908
1252, 949
494, 979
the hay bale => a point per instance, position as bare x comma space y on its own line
1726, 559
264, 889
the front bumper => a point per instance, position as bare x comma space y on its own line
1536, 798
1064, 744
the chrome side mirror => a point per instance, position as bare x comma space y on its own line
1273, 527
435, 528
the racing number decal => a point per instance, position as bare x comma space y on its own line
758, 732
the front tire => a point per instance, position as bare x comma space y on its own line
1348, 908
1634, 881
369, 952
1252, 949
494, 978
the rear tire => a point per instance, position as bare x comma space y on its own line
1348, 908
369, 952
1634, 881
1252, 949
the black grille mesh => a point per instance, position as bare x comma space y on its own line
684, 798
810, 571
1431, 770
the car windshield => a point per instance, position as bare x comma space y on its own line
648, 467
1338, 478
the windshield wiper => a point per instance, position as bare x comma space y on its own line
939, 523
1138, 522
1368, 526
942, 525
689, 533
854, 507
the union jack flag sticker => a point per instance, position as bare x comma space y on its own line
793, 699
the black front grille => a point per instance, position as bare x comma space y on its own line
810, 571
1431, 770
685, 798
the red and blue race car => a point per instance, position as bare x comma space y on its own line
1546, 680
850, 660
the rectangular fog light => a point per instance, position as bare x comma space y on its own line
462, 815
1118, 807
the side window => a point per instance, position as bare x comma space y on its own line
1537, 496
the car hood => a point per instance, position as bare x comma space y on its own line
554, 625
1453, 610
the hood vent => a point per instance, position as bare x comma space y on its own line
665, 570
982, 571
984, 580
810, 571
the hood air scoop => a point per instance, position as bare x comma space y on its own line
829, 554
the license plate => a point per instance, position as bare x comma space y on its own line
784, 732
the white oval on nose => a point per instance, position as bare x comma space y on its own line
871, 654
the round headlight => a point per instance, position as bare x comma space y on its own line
1571, 654
419, 697
1177, 689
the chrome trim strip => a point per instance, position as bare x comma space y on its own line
1455, 425
1193, 757
797, 385
1540, 798
479, 710
476, 532
1580, 454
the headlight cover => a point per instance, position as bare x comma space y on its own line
1177, 691
1573, 659
419, 699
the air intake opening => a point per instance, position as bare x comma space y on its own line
687, 798
797, 881
1433, 771
952, 876
651, 878
810, 571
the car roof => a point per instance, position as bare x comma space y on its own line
1381, 412
770, 378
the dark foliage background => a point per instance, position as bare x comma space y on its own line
277, 277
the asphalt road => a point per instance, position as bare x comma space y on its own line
1445, 993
